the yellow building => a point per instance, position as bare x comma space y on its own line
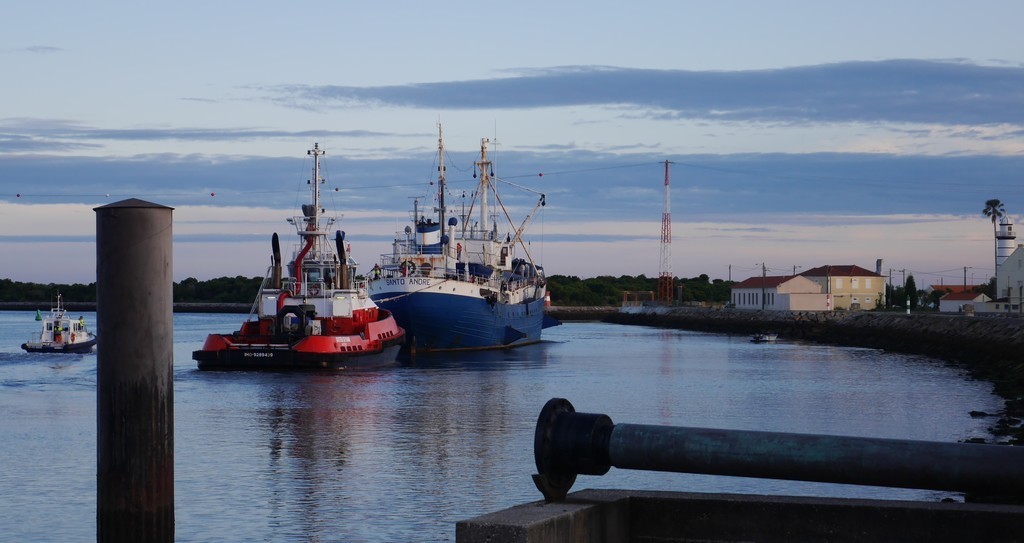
851, 287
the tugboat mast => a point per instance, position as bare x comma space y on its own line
316, 153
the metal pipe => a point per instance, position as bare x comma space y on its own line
134, 373
567, 443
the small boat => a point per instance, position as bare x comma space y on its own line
764, 337
319, 317
455, 283
60, 333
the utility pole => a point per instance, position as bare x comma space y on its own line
730, 273
888, 298
1020, 297
906, 295
764, 290
828, 286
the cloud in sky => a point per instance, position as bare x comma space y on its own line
894, 91
35, 50
882, 190
15, 131
579, 185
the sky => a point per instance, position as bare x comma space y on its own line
799, 134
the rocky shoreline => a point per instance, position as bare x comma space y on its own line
990, 348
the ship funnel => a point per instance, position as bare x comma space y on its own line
339, 242
275, 244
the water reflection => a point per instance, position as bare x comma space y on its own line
527, 356
402, 454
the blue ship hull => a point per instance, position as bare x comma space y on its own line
444, 322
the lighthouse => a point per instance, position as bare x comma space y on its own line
1005, 240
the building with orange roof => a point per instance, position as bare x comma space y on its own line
952, 288
957, 302
779, 293
849, 286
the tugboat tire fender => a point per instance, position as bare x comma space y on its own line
291, 310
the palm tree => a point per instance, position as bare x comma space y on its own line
994, 210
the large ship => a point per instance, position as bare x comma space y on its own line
319, 317
455, 283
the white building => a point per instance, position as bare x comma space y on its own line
780, 293
956, 302
1010, 283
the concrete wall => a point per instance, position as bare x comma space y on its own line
639, 516
957, 306
807, 302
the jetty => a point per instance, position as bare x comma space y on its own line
989, 347
567, 443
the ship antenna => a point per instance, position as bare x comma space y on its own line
316, 152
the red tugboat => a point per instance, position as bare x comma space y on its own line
317, 318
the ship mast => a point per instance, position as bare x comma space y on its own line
484, 166
440, 180
316, 152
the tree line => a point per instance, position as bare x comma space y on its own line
566, 290
606, 290
236, 289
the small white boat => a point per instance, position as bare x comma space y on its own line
60, 333
764, 337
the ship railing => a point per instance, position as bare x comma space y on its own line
315, 289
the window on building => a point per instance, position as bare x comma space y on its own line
839, 282
867, 283
853, 282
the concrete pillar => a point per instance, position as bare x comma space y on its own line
134, 381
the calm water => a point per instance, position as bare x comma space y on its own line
402, 454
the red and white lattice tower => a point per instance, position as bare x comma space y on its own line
665, 279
